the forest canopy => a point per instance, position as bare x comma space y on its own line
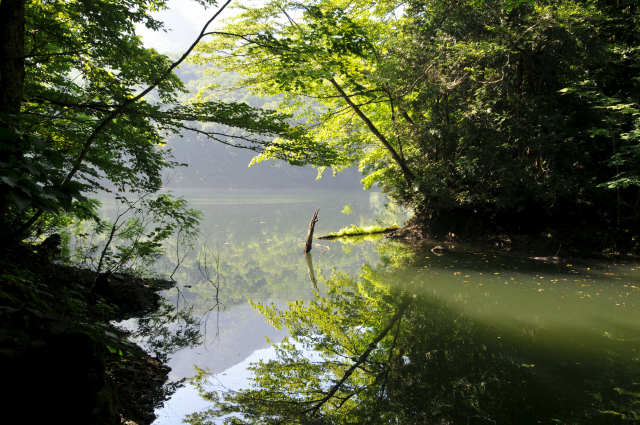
82, 100
480, 115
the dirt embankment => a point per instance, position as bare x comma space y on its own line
60, 359
581, 242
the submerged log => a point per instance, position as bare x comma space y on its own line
312, 225
552, 259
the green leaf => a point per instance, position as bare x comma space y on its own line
21, 202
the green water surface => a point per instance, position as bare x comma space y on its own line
487, 337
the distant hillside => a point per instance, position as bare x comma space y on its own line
213, 164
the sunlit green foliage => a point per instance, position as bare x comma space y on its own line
435, 365
84, 121
484, 116
222, 164
354, 230
347, 210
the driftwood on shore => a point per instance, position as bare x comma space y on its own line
345, 235
312, 225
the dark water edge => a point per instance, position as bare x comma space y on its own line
582, 240
60, 355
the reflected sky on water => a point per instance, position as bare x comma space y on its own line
546, 314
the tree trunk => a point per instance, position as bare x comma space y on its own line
12, 28
408, 175
312, 225
12, 22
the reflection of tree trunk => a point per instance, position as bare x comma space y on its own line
406, 301
312, 225
310, 268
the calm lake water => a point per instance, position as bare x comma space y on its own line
471, 336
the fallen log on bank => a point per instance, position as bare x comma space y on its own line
359, 231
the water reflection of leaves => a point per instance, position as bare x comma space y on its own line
436, 365
168, 330
273, 270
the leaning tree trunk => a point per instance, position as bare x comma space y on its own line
312, 225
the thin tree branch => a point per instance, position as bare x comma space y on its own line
408, 175
124, 105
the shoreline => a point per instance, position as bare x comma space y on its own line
545, 243
56, 340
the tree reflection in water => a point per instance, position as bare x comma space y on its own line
173, 327
168, 330
377, 350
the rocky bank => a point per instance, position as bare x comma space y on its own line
60, 359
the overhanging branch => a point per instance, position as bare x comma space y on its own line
124, 105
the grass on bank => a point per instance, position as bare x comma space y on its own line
354, 230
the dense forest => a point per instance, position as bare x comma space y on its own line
484, 117
507, 117
492, 116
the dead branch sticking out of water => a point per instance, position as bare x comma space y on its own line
312, 225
